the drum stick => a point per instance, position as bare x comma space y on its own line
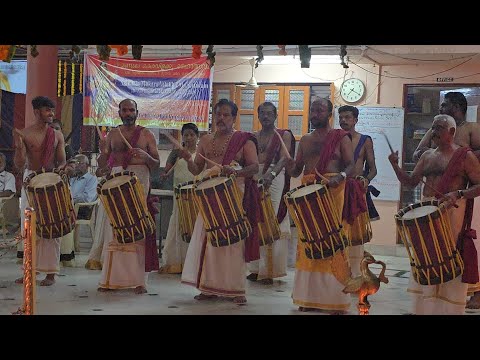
284, 147
210, 161
388, 141
124, 140
436, 191
321, 176
172, 139
98, 129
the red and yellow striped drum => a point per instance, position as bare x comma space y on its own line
122, 196
220, 204
268, 229
426, 232
49, 194
316, 217
187, 209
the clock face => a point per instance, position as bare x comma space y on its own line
352, 90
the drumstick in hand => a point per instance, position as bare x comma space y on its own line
172, 139
421, 180
10, 127
321, 176
124, 140
210, 161
284, 147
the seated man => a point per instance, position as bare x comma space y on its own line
7, 181
83, 187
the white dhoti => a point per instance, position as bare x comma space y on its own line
215, 270
273, 257
473, 288
124, 264
444, 299
102, 229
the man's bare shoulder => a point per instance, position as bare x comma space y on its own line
147, 132
473, 126
205, 139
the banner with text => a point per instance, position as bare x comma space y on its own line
168, 92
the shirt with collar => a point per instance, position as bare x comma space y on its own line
84, 188
7, 181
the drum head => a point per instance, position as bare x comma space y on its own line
45, 179
116, 181
210, 183
186, 187
419, 212
306, 190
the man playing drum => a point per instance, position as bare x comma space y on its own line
124, 264
357, 224
447, 169
467, 135
271, 156
40, 146
220, 271
329, 152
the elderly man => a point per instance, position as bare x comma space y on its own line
448, 169
83, 187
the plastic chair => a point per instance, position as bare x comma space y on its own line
87, 215
3, 200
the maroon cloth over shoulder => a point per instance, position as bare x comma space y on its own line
48, 146
251, 196
151, 250
333, 139
274, 153
355, 202
465, 239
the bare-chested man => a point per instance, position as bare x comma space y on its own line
220, 271
272, 157
467, 135
359, 231
328, 152
448, 169
125, 263
40, 146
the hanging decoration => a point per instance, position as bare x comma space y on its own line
7, 52
33, 50
137, 52
343, 53
211, 55
196, 51
121, 49
259, 55
282, 50
305, 55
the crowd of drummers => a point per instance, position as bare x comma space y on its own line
234, 206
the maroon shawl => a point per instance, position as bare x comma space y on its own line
467, 234
48, 146
126, 155
274, 153
151, 251
355, 202
251, 197
333, 139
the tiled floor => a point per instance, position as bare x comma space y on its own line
76, 293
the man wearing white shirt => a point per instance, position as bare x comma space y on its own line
7, 180
83, 187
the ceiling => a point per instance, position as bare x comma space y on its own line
359, 54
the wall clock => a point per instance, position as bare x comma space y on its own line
352, 90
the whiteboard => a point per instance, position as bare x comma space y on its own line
371, 120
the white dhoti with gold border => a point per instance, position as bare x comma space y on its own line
124, 264
215, 270
317, 281
444, 299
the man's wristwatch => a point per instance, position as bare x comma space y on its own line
460, 194
274, 174
343, 175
